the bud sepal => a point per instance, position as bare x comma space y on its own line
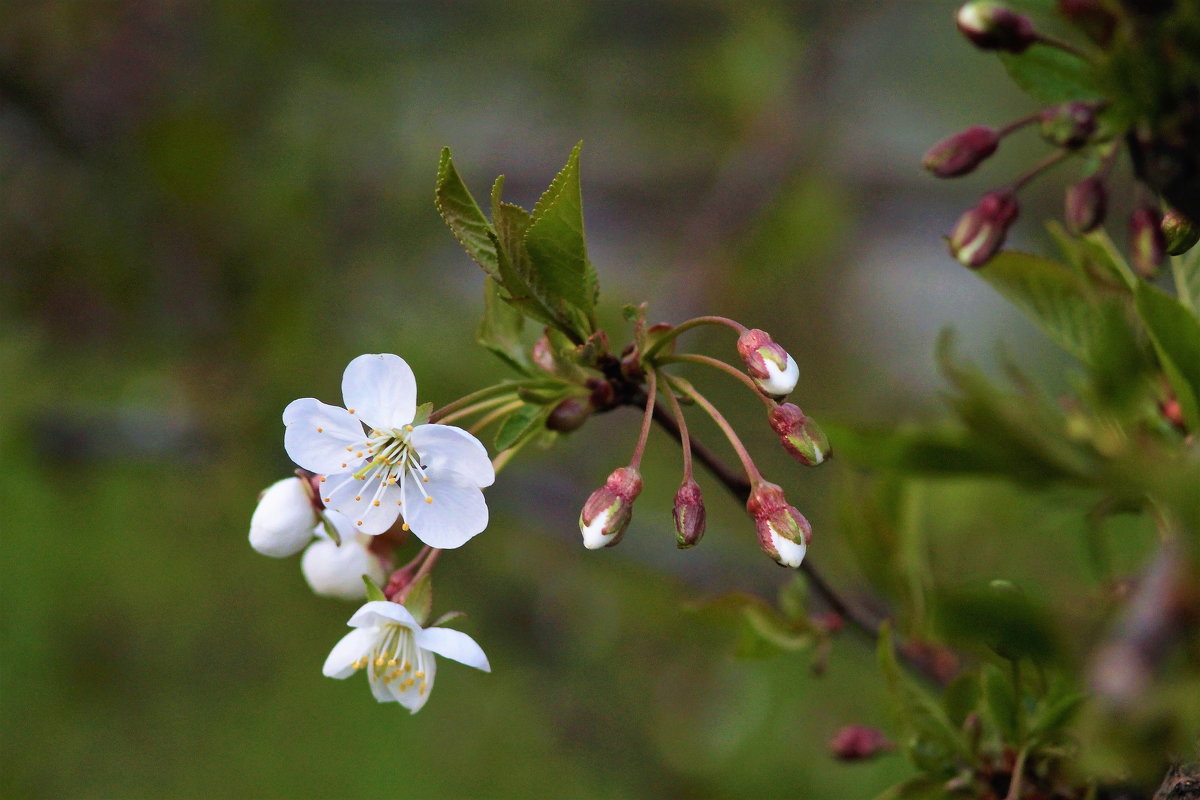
772, 368
994, 26
980, 232
799, 434
783, 532
961, 153
689, 514
607, 512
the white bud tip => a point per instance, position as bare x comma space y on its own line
780, 381
790, 553
594, 536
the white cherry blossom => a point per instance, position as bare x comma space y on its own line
334, 570
378, 460
397, 653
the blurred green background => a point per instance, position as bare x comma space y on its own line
209, 208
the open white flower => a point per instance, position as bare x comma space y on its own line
397, 653
431, 473
334, 570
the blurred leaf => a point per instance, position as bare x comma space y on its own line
447, 617
920, 787
419, 600
460, 211
1175, 332
1098, 264
373, 590
1053, 715
1051, 75
1004, 620
930, 740
556, 241
1187, 278
763, 631
500, 329
772, 627
793, 596
1059, 301
961, 697
520, 425
1001, 703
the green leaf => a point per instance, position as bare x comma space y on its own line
1054, 716
373, 590
460, 211
1058, 301
1001, 702
520, 425
419, 599
556, 240
930, 740
1175, 332
770, 626
1186, 269
1051, 75
961, 697
1000, 618
422, 414
500, 329
330, 530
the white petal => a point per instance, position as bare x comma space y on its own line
317, 436
345, 528
594, 536
379, 687
283, 520
781, 381
382, 612
457, 511
446, 447
381, 390
454, 645
356, 499
415, 696
334, 571
791, 554
353, 646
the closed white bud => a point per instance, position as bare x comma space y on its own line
283, 521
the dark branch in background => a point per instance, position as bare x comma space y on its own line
927, 661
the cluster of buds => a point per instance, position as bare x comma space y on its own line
1069, 127
772, 373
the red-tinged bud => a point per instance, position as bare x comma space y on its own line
962, 152
1147, 245
1180, 234
783, 532
858, 743
772, 368
994, 26
569, 415
799, 434
607, 512
1087, 203
689, 514
980, 232
1091, 17
1068, 125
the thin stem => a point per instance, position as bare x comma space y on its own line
495, 415
727, 429
736, 482
694, 322
473, 397
431, 558
475, 408
1016, 125
1066, 47
1046, 163
1014, 786
716, 363
685, 441
640, 448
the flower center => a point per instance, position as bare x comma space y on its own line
396, 657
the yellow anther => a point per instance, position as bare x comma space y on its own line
408, 428
424, 686
403, 525
349, 449
419, 675
358, 454
407, 667
358, 498
425, 480
322, 479
328, 499
343, 465
428, 499
379, 662
320, 430
391, 662
359, 522
351, 410
374, 502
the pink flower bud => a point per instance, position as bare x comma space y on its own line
772, 368
689, 514
980, 232
783, 532
1068, 125
543, 354
607, 512
993, 26
1087, 202
858, 743
799, 434
1146, 242
962, 152
1179, 233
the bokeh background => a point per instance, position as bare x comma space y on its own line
208, 208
